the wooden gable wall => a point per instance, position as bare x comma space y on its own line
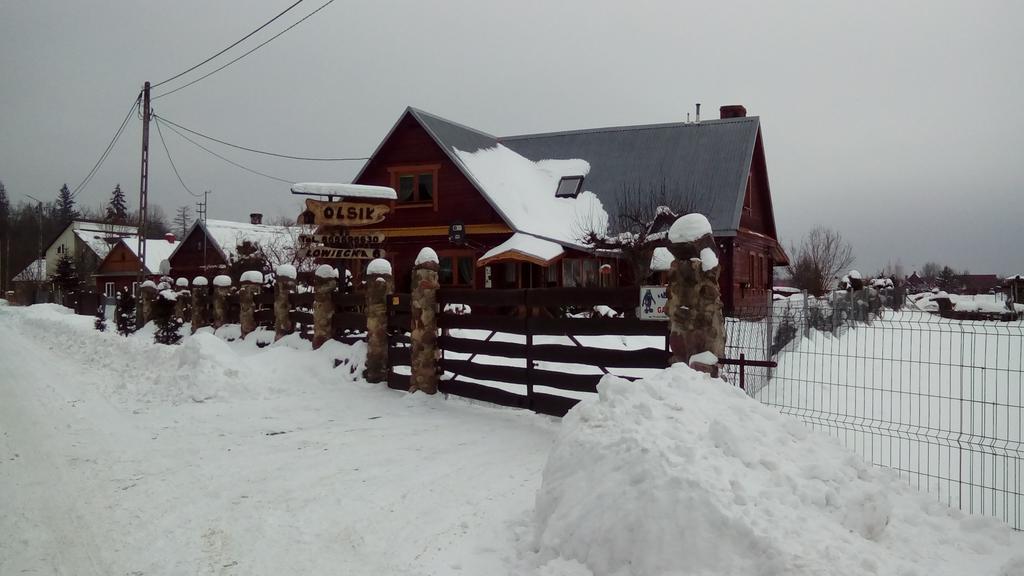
188, 260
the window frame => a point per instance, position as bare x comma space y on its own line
576, 191
456, 256
415, 170
108, 289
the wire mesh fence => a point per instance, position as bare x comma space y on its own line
938, 400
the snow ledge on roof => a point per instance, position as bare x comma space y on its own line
527, 245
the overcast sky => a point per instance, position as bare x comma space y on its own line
897, 123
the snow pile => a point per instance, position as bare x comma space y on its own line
684, 474
326, 271
706, 358
379, 266
460, 309
854, 275
252, 276
222, 280
708, 259
168, 294
427, 254
286, 271
689, 228
200, 281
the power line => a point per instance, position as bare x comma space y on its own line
106, 152
171, 160
236, 43
208, 74
232, 162
289, 156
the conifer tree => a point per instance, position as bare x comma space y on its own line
117, 208
167, 324
65, 278
65, 206
125, 312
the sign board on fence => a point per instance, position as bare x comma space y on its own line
653, 301
360, 240
329, 253
345, 213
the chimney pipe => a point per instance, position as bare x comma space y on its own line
698, 112
256, 218
732, 111
170, 237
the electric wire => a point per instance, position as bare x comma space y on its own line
232, 162
106, 152
171, 160
288, 156
258, 46
236, 43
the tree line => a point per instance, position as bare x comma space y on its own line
27, 227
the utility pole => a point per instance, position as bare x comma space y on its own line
143, 193
201, 208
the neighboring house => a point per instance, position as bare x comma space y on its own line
120, 268
978, 283
211, 247
29, 285
525, 200
86, 243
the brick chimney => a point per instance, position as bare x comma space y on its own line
256, 218
170, 237
732, 111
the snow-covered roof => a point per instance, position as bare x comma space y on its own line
227, 235
100, 242
34, 272
524, 247
156, 252
523, 192
345, 190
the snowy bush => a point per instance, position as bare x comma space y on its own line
124, 312
167, 325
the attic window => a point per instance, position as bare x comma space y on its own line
569, 187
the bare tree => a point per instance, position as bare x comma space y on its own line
931, 270
638, 224
182, 220
819, 259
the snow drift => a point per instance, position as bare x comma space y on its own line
684, 474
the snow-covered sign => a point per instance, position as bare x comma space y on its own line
344, 190
329, 253
653, 302
345, 213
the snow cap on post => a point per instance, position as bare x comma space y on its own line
252, 277
181, 282
689, 228
427, 255
200, 281
149, 284
169, 295
708, 259
326, 271
286, 271
379, 266
222, 280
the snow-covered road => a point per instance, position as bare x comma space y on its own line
275, 463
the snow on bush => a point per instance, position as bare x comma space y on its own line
222, 280
688, 228
379, 266
326, 271
252, 276
684, 474
427, 254
286, 271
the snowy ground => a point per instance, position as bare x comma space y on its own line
118, 456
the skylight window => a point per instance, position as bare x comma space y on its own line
569, 187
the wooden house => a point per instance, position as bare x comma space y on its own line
524, 201
120, 268
214, 247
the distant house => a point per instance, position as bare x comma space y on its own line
524, 200
120, 268
29, 285
978, 283
211, 247
86, 242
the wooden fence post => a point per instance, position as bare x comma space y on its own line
251, 281
695, 307
424, 323
200, 302
284, 285
324, 285
148, 296
184, 299
221, 290
379, 283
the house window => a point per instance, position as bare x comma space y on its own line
108, 289
572, 273
569, 187
456, 270
415, 184
551, 275
135, 286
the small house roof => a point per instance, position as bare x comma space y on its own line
227, 235
34, 272
525, 248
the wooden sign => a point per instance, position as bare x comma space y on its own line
345, 213
344, 240
329, 253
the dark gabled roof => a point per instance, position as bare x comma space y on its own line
707, 164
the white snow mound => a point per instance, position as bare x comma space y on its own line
252, 276
200, 281
708, 259
379, 266
688, 228
286, 271
326, 271
684, 474
222, 280
427, 254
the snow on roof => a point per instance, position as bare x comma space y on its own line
531, 247
228, 235
156, 252
34, 272
661, 260
523, 192
345, 190
100, 242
